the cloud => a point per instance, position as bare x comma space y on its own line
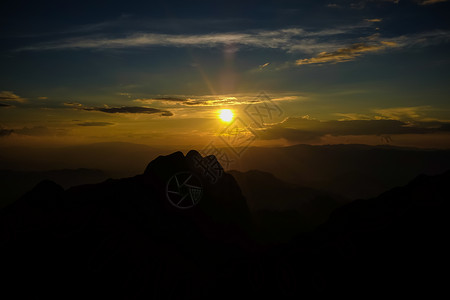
333, 5
402, 113
95, 124
410, 114
130, 110
428, 2
306, 130
353, 116
32, 131
363, 3
345, 54
120, 110
374, 20
10, 96
73, 104
171, 99
323, 46
213, 100
263, 66
5, 132
280, 38
4, 105
42, 98
38, 131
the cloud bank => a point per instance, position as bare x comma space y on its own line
130, 110
88, 124
10, 96
307, 130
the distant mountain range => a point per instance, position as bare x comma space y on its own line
117, 159
282, 209
126, 238
352, 171
14, 184
396, 241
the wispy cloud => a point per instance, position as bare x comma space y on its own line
360, 4
428, 2
346, 54
73, 104
403, 113
32, 131
306, 130
118, 110
322, 46
281, 38
88, 124
212, 100
261, 67
130, 110
10, 96
409, 114
374, 20
376, 43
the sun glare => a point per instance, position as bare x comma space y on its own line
226, 115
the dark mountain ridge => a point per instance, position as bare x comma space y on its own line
139, 237
352, 171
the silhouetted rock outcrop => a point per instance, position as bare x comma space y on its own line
182, 230
126, 232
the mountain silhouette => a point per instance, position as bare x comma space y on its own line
183, 229
102, 237
14, 183
283, 209
351, 171
396, 241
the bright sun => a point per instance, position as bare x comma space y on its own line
226, 115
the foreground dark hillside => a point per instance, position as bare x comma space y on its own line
141, 237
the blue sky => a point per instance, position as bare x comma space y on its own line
82, 72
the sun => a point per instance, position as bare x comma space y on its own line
226, 115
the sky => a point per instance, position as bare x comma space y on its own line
160, 73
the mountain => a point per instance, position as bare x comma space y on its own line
283, 209
14, 184
396, 240
117, 159
183, 229
128, 237
352, 171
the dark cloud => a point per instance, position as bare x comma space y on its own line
36, 131
175, 99
130, 110
95, 124
5, 132
32, 131
300, 129
10, 96
185, 101
4, 105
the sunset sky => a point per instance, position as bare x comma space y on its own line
160, 72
